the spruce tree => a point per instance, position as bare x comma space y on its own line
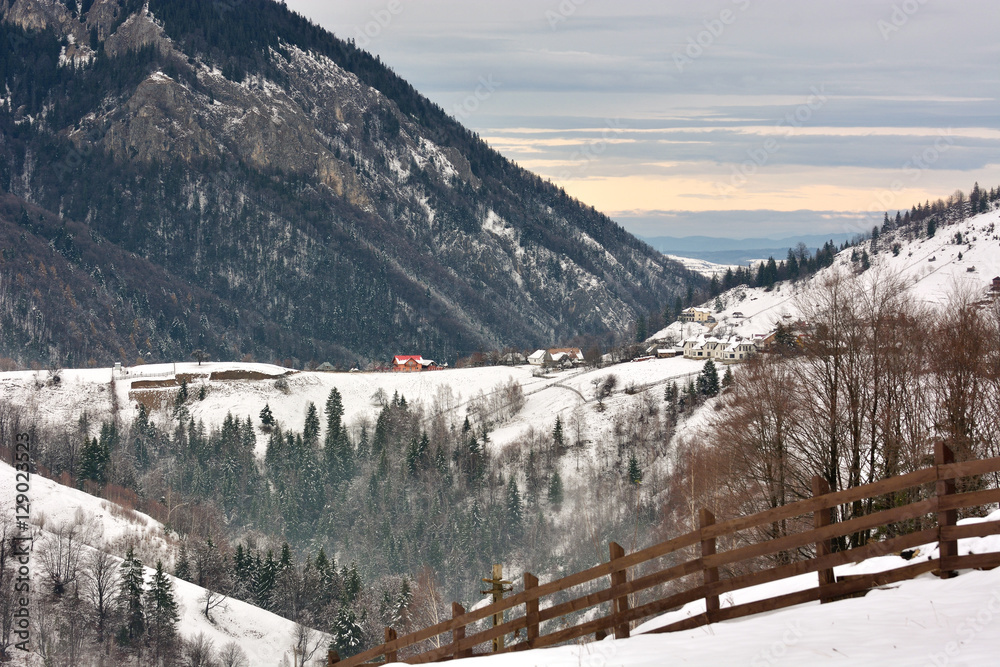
634, 473
161, 613
708, 380
557, 436
555, 489
346, 632
130, 600
94, 460
266, 417
515, 512
182, 569
310, 433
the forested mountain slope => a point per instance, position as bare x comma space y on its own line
292, 197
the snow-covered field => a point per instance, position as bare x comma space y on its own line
557, 393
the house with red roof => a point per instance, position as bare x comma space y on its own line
412, 363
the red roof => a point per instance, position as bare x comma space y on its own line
403, 358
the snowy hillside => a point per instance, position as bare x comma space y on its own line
265, 637
931, 267
557, 393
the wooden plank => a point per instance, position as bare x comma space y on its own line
470, 641
459, 632
957, 501
710, 575
874, 520
620, 603
870, 550
390, 635
634, 586
968, 468
531, 609
986, 561
809, 505
943, 489
863, 582
981, 529
808, 595
821, 519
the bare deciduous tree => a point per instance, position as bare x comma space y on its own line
99, 579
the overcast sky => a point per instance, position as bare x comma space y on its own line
676, 117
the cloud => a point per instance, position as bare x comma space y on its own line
684, 130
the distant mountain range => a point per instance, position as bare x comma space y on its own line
737, 251
183, 174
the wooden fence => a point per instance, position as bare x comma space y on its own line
695, 553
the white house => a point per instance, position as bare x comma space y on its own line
729, 350
539, 358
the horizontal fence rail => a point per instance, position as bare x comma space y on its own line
697, 553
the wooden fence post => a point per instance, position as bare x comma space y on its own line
619, 605
531, 608
390, 636
458, 632
821, 518
944, 488
332, 658
710, 575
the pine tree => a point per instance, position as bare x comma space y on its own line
641, 331
708, 379
346, 632
515, 512
557, 436
727, 378
161, 613
555, 489
182, 569
310, 433
266, 417
94, 460
130, 599
634, 472
336, 448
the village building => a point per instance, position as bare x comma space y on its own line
727, 350
412, 363
539, 358
557, 356
700, 315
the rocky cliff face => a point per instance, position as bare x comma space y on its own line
293, 176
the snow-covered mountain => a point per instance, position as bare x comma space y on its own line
230, 177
